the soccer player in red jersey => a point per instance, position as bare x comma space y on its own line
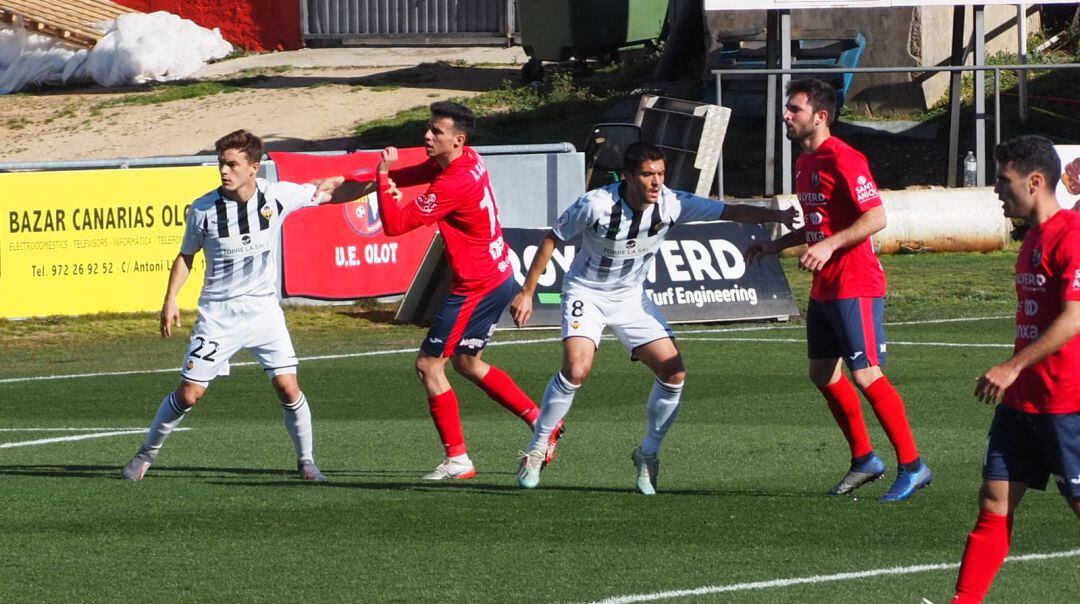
1036, 430
460, 199
841, 210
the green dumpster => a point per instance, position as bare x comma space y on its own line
556, 30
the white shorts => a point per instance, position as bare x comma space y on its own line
636, 321
223, 328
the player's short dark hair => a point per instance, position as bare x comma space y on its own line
639, 152
821, 94
1030, 153
248, 143
464, 119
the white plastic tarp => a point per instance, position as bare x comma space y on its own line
135, 49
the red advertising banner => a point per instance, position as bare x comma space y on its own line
339, 252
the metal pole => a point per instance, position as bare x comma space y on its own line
997, 106
1021, 58
770, 103
980, 94
785, 63
959, 57
719, 160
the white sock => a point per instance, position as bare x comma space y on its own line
558, 396
169, 415
661, 412
298, 423
462, 459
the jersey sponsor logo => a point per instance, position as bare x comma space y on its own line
855, 356
1076, 280
813, 199
245, 240
473, 342
426, 203
1031, 279
362, 216
1027, 332
815, 179
864, 189
1031, 307
814, 218
815, 236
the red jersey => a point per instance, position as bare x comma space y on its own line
835, 187
461, 200
1047, 274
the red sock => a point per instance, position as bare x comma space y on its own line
889, 409
502, 389
444, 410
847, 410
987, 546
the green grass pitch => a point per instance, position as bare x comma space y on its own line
221, 516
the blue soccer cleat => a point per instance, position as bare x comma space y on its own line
868, 471
908, 482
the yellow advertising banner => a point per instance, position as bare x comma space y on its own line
88, 241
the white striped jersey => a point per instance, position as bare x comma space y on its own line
617, 245
241, 239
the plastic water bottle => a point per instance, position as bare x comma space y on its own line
971, 170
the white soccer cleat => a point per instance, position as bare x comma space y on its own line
309, 471
451, 470
532, 463
648, 467
137, 467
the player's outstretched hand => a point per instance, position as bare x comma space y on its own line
788, 217
991, 386
392, 190
170, 317
758, 250
389, 158
521, 309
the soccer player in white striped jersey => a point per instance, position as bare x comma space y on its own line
622, 226
238, 228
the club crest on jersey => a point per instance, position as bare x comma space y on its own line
426, 203
815, 180
1036, 257
362, 215
575, 324
190, 365
266, 212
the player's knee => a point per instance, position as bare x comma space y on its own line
189, 394
468, 366
427, 367
863, 378
673, 376
576, 373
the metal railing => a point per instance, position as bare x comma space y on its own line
980, 112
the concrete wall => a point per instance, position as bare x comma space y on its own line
895, 37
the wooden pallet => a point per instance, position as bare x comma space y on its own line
70, 21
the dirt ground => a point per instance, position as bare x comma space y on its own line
295, 110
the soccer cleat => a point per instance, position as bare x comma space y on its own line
553, 440
907, 483
532, 463
309, 471
137, 467
868, 471
648, 467
450, 469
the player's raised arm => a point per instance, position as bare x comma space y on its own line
756, 215
170, 310
342, 189
521, 305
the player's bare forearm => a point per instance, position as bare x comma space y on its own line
539, 263
170, 310
870, 222
757, 215
991, 386
342, 190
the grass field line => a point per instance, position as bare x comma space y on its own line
64, 439
64, 429
816, 579
371, 353
891, 342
